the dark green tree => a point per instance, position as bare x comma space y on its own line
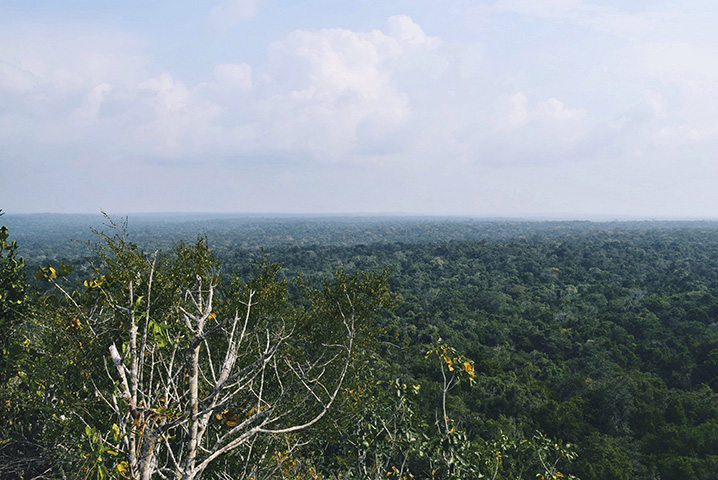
13, 296
18, 451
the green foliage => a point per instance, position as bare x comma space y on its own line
131, 291
603, 335
13, 295
378, 434
25, 451
13, 310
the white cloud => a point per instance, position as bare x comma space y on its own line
332, 61
540, 91
680, 94
322, 93
329, 95
406, 31
232, 75
514, 112
184, 123
57, 78
553, 109
523, 131
87, 113
657, 103
169, 97
71, 57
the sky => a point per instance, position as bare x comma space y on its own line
512, 108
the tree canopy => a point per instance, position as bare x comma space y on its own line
527, 350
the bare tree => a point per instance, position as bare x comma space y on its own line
197, 377
179, 391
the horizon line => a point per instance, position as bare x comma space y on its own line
597, 217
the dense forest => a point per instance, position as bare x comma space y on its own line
489, 349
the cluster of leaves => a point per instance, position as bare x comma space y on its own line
381, 436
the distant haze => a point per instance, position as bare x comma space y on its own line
509, 108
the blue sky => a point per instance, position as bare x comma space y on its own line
564, 108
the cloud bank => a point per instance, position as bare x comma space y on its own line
550, 106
